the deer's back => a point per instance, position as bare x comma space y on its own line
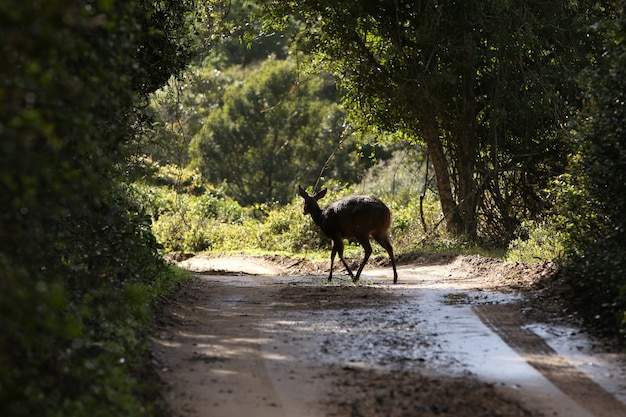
359, 214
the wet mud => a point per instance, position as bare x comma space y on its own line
451, 339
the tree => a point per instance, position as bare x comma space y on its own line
179, 109
271, 131
76, 257
485, 85
236, 43
240, 40
593, 205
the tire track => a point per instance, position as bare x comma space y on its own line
215, 355
505, 320
211, 353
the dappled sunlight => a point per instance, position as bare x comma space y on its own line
283, 338
276, 357
224, 372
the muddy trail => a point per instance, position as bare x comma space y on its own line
270, 337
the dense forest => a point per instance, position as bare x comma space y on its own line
134, 129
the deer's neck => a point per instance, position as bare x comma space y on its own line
316, 214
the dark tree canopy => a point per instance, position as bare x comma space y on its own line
74, 253
594, 193
485, 85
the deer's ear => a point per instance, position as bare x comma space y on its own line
302, 192
320, 194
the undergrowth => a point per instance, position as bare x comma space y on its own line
538, 241
208, 220
191, 216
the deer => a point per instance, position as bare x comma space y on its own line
356, 217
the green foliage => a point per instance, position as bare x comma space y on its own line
272, 131
236, 45
189, 214
179, 109
485, 85
78, 261
286, 229
185, 222
538, 242
414, 222
593, 196
240, 40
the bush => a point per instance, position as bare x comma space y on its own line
78, 261
593, 196
185, 219
407, 227
287, 229
214, 222
538, 242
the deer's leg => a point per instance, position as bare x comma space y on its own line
332, 261
338, 244
384, 242
365, 243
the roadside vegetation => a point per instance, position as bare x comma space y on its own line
130, 131
190, 215
80, 269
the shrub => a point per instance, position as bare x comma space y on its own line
593, 196
185, 219
538, 242
78, 261
286, 229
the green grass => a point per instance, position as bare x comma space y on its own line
207, 220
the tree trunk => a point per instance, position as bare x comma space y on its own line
467, 192
430, 131
460, 213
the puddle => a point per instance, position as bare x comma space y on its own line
430, 326
433, 328
606, 369
421, 330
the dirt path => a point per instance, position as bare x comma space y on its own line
505, 321
445, 341
215, 356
